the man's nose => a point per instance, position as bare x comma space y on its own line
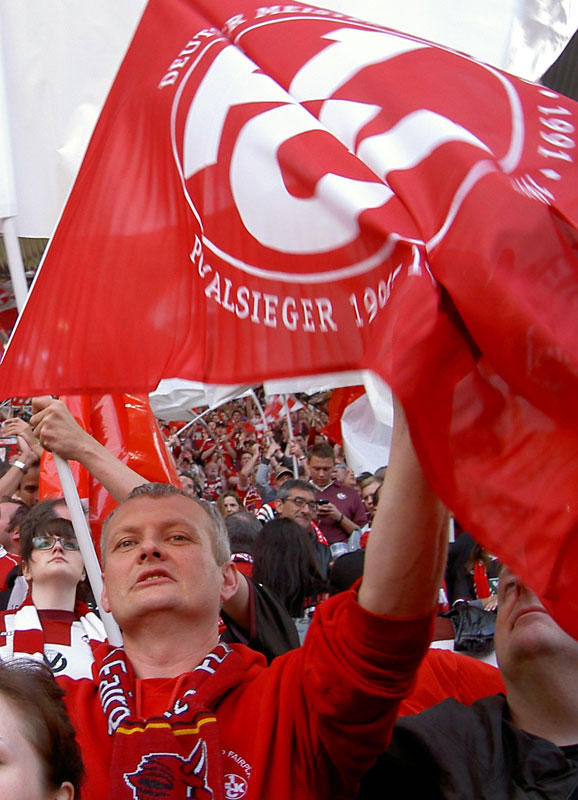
151, 549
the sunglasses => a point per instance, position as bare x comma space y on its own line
47, 542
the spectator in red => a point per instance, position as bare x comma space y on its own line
214, 481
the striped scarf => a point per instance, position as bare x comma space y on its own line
177, 754
22, 633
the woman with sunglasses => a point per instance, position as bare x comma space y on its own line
54, 624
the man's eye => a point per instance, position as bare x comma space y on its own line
178, 537
125, 543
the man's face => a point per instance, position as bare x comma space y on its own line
524, 629
9, 540
300, 506
211, 470
188, 485
28, 490
339, 473
282, 478
160, 557
245, 458
321, 470
367, 495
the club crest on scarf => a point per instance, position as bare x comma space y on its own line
166, 775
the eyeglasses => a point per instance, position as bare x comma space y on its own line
47, 542
301, 502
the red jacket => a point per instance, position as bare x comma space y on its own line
308, 726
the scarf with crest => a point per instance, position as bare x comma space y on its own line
177, 754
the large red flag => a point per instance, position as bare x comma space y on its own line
280, 190
125, 425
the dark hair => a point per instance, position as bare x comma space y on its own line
37, 517
284, 561
18, 516
242, 528
55, 526
43, 519
30, 689
295, 483
322, 450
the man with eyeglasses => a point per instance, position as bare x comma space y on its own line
296, 500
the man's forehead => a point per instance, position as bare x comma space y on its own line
321, 461
135, 511
308, 494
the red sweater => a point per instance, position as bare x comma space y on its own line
308, 726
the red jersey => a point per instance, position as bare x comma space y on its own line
7, 563
308, 726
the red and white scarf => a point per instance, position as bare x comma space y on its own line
318, 534
22, 634
174, 755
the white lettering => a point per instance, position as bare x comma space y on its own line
271, 302
214, 289
324, 310
234, 22
242, 307
255, 314
289, 317
307, 306
226, 304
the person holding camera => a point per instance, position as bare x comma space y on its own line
340, 511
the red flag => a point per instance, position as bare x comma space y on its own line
338, 402
273, 191
277, 406
124, 424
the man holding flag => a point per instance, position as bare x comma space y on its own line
178, 709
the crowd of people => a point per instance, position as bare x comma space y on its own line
276, 612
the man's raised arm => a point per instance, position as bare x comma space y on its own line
406, 550
58, 431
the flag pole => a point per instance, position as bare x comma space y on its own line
259, 409
290, 431
87, 550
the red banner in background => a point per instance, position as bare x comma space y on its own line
275, 191
125, 425
340, 399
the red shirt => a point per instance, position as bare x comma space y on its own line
308, 726
7, 563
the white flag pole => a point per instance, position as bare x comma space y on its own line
87, 550
290, 431
259, 409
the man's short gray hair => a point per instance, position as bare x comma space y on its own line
285, 489
217, 529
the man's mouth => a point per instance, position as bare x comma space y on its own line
154, 575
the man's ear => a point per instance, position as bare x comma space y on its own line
104, 599
278, 505
26, 571
230, 581
65, 792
